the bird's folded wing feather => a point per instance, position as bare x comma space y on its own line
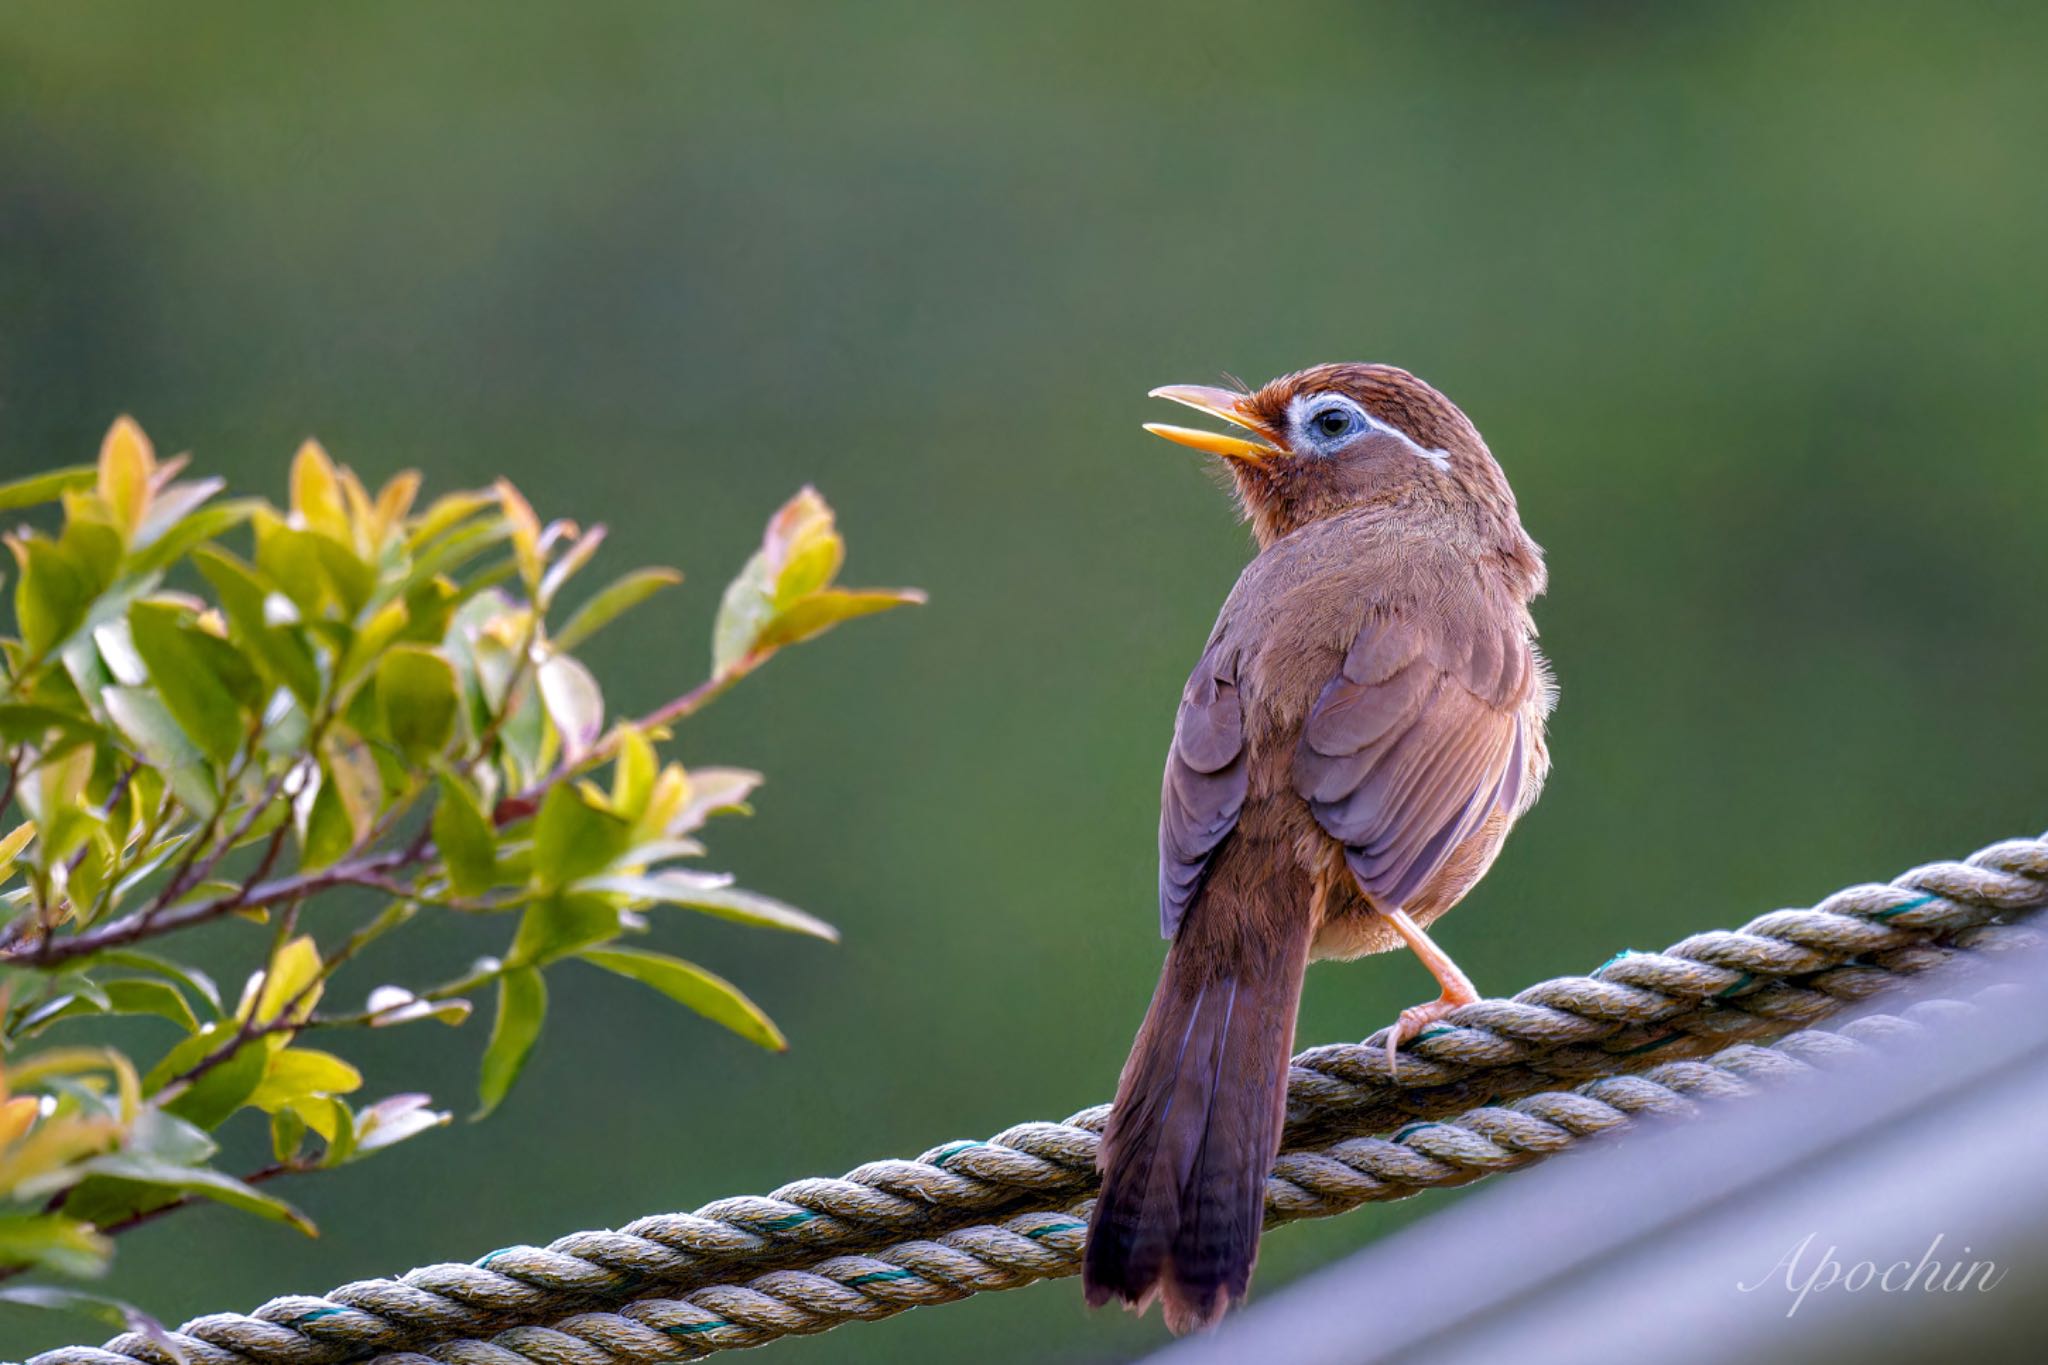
1414, 743
1205, 781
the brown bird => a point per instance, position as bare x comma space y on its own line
1365, 724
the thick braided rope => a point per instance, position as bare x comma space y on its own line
1781, 971
1046, 1244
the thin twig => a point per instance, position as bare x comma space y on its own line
257, 896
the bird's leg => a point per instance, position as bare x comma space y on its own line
1458, 989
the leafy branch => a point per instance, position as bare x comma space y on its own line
362, 695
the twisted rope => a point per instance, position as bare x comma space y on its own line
972, 1216
1046, 1244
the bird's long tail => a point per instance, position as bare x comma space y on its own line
1198, 1115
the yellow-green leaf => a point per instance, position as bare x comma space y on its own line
416, 691
784, 593
203, 1183
463, 834
13, 843
613, 602
522, 1006
52, 593
558, 925
246, 600
182, 672
351, 774
316, 493
705, 992
296, 1073
714, 896
525, 526
814, 615
126, 462
142, 717
573, 838
41, 488
291, 981
221, 1090
51, 1242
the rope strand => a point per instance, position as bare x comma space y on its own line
978, 1215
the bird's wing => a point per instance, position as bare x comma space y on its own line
1414, 743
1205, 781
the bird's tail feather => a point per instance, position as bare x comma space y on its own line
1197, 1122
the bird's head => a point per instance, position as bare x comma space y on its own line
1336, 438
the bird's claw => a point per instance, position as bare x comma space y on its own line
1413, 1021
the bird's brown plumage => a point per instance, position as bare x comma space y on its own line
1363, 726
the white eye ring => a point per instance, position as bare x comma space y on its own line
1306, 413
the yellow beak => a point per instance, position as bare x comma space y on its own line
1216, 403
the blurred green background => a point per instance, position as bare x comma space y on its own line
1750, 300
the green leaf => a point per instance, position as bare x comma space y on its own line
201, 1183
522, 1006
186, 676
560, 924
141, 996
463, 834
218, 1093
142, 717
710, 995
51, 595
243, 599
198, 982
709, 894
448, 511
613, 602
169, 1138
29, 722
63, 1245
416, 691
287, 1135
746, 607
41, 488
325, 833
178, 519
125, 996
573, 838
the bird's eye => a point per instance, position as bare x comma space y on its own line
1331, 423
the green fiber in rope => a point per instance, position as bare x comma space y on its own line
1748, 980
1913, 904
953, 1149
1064, 1225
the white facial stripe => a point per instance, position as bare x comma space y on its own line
1297, 413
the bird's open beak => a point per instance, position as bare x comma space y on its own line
1217, 403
